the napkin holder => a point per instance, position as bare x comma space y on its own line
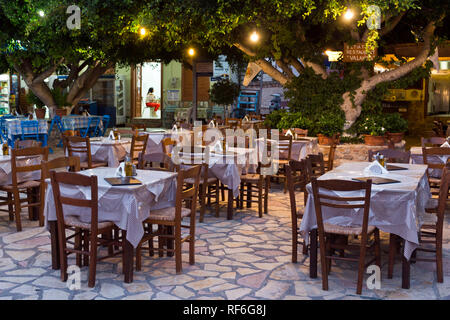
375, 168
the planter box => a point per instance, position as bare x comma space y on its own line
374, 140
40, 113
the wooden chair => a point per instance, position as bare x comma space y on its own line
329, 161
297, 177
167, 145
86, 234
430, 155
316, 165
391, 155
57, 164
328, 233
297, 132
233, 122
256, 184
432, 141
284, 152
172, 218
430, 233
31, 187
209, 187
77, 145
22, 144
145, 163
138, 126
138, 145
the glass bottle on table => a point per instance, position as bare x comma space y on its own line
5, 149
115, 133
128, 166
382, 162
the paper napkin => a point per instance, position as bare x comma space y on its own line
174, 128
218, 147
375, 168
121, 170
212, 124
289, 133
111, 135
445, 145
246, 119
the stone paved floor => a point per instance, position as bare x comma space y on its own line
246, 258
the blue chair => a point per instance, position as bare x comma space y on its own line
3, 129
105, 120
92, 127
30, 130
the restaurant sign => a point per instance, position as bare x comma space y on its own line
357, 53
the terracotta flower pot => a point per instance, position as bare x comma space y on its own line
61, 112
374, 140
324, 140
40, 113
395, 137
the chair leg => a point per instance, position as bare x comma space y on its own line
294, 242
323, 263
377, 248
41, 206
202, 201
266, 196
241, 196
362, 260
62, 254
78, 246
86, 247
249, 195
92, 261
30, 201
260, 199
178, 262
217, 200
392, 251
10, 206
151, 248
160, 242
138, 257
17, 209
439, 266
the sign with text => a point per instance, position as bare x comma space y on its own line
357, 53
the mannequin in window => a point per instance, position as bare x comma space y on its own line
152, 102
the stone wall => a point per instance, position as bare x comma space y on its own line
354, 152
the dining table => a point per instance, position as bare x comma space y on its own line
126, 206
396, 208
154, 143
301, 147
15, 130
104, 149
417, 158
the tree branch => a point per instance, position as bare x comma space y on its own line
286, 69
47, 73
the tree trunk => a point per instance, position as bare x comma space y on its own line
42, 91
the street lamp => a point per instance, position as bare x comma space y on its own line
349, 14
191, 52
143, 31
254, 37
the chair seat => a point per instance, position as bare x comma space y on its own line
167, 214
429, 219
434, 180
209, 181
350, 230
74, 221
84, 165
250, 177
23, 185
432, 203
282, 161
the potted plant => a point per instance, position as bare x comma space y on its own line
329, 125
373, 130
61, 102
224, 92
37, 103
396, 127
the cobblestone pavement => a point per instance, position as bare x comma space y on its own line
246, 258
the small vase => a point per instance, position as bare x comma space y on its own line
374, 140
40, 113
61, 112
395, 137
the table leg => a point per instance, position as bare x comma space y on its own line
405, 272
127, 259
313, 253
230, 205
54, 244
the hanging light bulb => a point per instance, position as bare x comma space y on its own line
191, 52
143, 31
349, 14
254, 37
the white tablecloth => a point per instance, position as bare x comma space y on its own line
107, 150
395, 208
154, 142
126, 206
300, 148
6, 170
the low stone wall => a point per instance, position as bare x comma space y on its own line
354, 152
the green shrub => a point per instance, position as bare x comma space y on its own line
393, 122
224, 92
294, 120
329, 124
372, 125
273, 118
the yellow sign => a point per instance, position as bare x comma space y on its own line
357, 53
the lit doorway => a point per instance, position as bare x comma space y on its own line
151, 78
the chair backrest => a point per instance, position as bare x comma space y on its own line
138, 145
442, 202
297, 177
72, 163
22, 144
432, 141
391, 155
332, 152
316, 165
27, 152
429, 153
75, 179
78, 145
188, 194
167, 145
138, 126
30, 128
105, 119
145, 162
285, 146
92, 127
71, 133
331, 200
233, 122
